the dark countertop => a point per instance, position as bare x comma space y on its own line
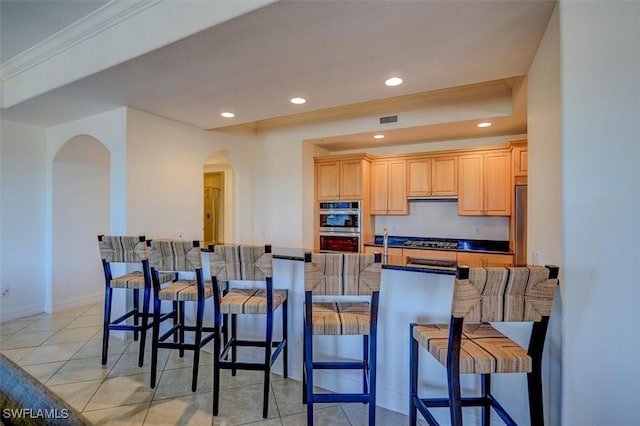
477, 246
397, 263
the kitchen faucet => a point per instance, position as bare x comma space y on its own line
385, 243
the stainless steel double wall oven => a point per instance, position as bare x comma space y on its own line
339, 225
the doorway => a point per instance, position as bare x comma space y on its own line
213, 208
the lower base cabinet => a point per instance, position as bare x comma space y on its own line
484, 259
471, 259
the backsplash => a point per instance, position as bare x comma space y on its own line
440, 219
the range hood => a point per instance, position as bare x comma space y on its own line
433, 198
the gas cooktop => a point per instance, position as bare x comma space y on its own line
448, 245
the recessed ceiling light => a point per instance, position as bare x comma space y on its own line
378, 136
484, 124
298, 101
227, 114
393, 81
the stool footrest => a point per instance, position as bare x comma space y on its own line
249, 343
422, 404
228, 365
115, 325
340, 397
335, 365
129, 314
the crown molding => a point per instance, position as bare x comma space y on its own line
109, 15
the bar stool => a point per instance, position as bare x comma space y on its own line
340, 275
178, 256
246, 263
470, 345
126, 250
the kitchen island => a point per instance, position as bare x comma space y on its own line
409, 293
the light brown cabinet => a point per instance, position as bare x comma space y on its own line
430, 254
341, 177
484, 259
520, 160
432, 176
389, 187
484, 183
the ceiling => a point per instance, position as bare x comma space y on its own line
336, 54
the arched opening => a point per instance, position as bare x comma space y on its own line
80, 212
217, 200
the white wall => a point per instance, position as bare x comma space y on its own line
544, 189
279, 188
22, 221
165, 177
80, 212
441, 219
599, 45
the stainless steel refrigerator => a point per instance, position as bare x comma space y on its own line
520, 226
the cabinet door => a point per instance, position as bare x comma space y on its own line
497, 183
471, 185
520, 160
397, 188
379, 187
419, 177
484, 259
430, 254
328, 180
444, 176
351, 180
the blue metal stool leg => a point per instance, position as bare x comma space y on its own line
413, 377
106, 322
136, 313
145, 323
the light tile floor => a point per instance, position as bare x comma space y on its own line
63, 351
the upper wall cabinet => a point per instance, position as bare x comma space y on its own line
342, 177
520, 161
432, 176
484, 183
389, 187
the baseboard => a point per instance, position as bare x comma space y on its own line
77, 302
9, 314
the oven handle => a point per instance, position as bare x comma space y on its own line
331, 230
339, 211
339, 234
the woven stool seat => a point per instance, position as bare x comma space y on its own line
183, 290
341, 318
484, 350
130, 280
250, 301
136, 280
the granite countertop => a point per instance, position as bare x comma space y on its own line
398, 263
478, 246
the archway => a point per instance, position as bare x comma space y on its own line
80, 212
218, 223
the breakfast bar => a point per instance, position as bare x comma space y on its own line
408, 294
